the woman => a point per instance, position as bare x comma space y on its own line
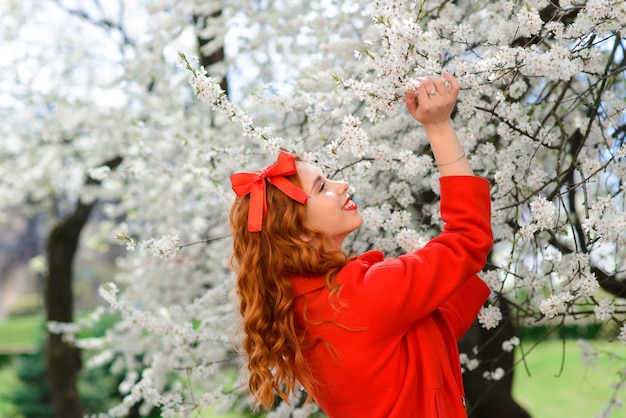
365, 336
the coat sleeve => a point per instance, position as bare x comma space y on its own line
397, 292
461, 308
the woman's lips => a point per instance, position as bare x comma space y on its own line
349, 205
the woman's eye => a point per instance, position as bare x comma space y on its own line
322, 186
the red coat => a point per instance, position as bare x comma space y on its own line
387, 347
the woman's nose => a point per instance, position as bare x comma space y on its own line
343, 187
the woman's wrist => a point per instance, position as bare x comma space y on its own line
456, 160
436, 129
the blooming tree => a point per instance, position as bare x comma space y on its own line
541, 115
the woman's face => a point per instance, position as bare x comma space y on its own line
329, 209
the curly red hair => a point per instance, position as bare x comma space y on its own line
264, 262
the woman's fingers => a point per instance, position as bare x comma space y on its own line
433, 98
452, 84
444, 85
430, 86
410, 100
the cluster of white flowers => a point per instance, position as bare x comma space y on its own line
533, 282
351, 137
99, 173
401, 192
605, 220
38, 264
208, 90
468, 363
518, 88
493, 279
604, 310
510, 344
413, 166
68, 329
399, 38
165, 247
585, 284
489, 316
529, 21
181, 344
143, 390
599, 9
543, 212
555, 304
131, 243
622, 334
557, 64
410, 240
543, 215
496, 374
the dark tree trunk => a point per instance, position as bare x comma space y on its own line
62, 359
489, 398
63, 362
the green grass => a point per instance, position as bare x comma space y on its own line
20, 332
575, 392
8, 382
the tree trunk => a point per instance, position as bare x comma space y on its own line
63, 361
491, 398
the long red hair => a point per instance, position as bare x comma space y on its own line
264, 262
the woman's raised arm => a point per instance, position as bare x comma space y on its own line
431, 104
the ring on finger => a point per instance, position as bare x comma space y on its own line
433, 92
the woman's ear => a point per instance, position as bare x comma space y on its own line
305, 238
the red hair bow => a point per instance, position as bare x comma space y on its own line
254, 184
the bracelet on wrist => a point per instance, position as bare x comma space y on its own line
459, 158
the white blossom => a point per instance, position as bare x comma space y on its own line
555, 304
543, 212
165, 247
100, 173
598, 9
493, 279
410, 240
543, 215
468, 363
529, 21
585, 284
605, 220
496, 374
510, 344
352, 137
622, 334
604, 310
518, 88
489, 317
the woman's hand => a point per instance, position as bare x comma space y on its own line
432, 102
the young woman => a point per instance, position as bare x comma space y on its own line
365, 336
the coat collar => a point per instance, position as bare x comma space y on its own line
302, 285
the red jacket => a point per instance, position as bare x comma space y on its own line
387, 347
